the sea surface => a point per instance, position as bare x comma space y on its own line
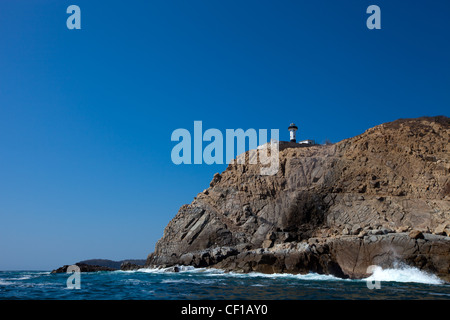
213, 284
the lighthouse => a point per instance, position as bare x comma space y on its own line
292, 129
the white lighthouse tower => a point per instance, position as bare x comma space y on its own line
292, 129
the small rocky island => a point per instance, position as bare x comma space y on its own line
380, 198
94, 265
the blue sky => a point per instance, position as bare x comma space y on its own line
86, 115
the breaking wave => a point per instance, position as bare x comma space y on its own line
399, 274
404, 274
217, 272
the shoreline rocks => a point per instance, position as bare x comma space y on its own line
127, 266
343, 257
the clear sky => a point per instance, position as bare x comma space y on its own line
86, 115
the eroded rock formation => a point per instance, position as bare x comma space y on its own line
330, 208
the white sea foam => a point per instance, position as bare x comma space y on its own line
26, 277
399, 274
307, 277
170, 269
173, 281
212, 272
403, 274
5, 283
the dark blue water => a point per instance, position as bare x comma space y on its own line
212, 284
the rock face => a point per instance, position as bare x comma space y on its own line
126, 266
333, 209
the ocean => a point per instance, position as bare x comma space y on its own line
211, 284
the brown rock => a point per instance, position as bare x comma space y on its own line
129, 266
416, 234
402, 229
267, 243
442, 229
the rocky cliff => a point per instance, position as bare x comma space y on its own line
380, 198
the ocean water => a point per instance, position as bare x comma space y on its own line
212, 284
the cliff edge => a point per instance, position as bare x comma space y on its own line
380, 198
